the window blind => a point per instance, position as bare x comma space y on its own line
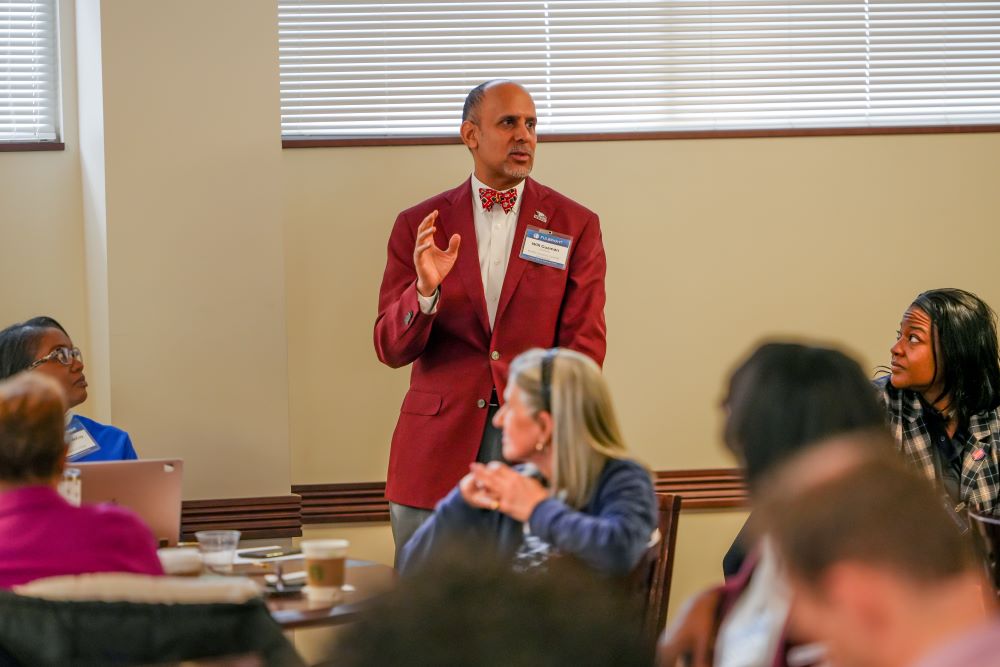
402, 69
29, 71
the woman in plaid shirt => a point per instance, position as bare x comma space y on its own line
942, 394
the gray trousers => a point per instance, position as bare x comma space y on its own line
405, 520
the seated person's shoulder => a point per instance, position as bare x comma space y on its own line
627, 467
625, 476
884, 390
116, 445
113, 524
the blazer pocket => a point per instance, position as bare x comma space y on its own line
421, 403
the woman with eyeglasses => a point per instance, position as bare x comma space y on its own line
576, 493
42, 344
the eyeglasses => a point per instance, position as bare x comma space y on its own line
64, 355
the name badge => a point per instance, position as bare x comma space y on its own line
79, 440
545, 247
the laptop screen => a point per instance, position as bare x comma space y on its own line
151, 488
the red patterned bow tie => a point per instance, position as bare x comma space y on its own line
506, 199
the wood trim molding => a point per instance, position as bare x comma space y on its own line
327, 142
357, 502
705, 488
28, 146
711, 488
256, 518
343, 503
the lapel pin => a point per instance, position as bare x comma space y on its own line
540, 217
979, 454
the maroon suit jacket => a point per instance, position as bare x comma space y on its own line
443, 414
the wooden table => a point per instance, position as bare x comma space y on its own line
366, 581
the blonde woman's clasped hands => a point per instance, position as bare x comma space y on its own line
500, 488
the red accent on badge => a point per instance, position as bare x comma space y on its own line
978, 454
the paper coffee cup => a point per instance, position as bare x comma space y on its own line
180, 561
325, 564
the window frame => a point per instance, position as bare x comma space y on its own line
933, 126
328, 142
59, 143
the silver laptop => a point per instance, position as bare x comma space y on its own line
151, 488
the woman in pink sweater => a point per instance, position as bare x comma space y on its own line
41, 535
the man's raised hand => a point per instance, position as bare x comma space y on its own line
432, 263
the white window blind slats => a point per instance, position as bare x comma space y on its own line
29, 71
385, 69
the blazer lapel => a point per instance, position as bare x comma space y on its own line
533, 197
458, 220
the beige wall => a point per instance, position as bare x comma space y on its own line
90, 94
712, 245
193, 225
242, 279
41, 224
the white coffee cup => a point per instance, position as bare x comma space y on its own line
180, 561
325, 567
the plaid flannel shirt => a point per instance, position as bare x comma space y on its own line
980, 479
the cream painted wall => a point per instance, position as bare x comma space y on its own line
712, 245
225, 254
41, 225
94, 201
196, 274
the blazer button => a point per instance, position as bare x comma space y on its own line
480, 403
494, 355
408, 317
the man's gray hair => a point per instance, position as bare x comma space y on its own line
475, 97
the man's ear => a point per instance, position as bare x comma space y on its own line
470, 134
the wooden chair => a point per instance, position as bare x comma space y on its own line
660, 563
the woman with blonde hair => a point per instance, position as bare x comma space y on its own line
575, 493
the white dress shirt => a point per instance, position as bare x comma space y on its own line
494, 240
751, 631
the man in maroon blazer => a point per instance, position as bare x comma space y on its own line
523, 267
